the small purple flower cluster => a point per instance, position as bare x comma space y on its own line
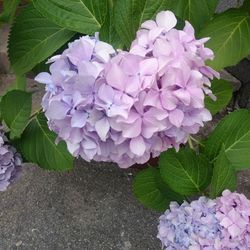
10, 163
125, 107
220, 224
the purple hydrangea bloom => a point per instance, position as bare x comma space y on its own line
10, 163
233, 213
190, 226
129, 106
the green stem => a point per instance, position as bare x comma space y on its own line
20, 83
196, 141
35, 113
190, 143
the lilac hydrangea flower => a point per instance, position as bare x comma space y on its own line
10, 163
190, 226
129, 106
233, 213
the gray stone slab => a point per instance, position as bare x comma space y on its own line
241, 71
91, 207
227, 4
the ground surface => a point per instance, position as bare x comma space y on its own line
89, 208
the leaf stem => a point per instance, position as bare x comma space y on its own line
190, 143
196, 141
35, 113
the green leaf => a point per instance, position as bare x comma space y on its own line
32, 39
108, 33
152, 192
84, 16
246, 6
198, 12
37, 144
223, 92
224, 175
9, 10
234, 132
129, 14
230, 37
185, 172
15, 111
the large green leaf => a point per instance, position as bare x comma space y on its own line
152, 192
108, 33
84, 16
185, 172
15, 111
224, 175
37, 144
9, 10
129, 14
230, 37
223, 92
198, 12
32, 39
234, 132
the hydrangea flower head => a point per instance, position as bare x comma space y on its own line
10, 163
233, 212
190, 226
126, 107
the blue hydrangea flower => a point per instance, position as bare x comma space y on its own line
10, 163
190, 226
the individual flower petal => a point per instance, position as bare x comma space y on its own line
102, 127
137, 146
166, 19
176, 117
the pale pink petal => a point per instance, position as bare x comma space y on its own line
44, 77
57, 110
166, 19
79, 119
132, 130
176, 117
102, 127
148, 24
137, 146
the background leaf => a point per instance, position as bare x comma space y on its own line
15, 111
234, 132
223, 91
108, 33
9, 10
230, 37
197, 12
33, 38
84, 16
129, 14
37, 144
185, 172
152, 192
224, 175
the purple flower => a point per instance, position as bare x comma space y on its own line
220, 224
190, 226
10, 163
129, 106
233, 213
